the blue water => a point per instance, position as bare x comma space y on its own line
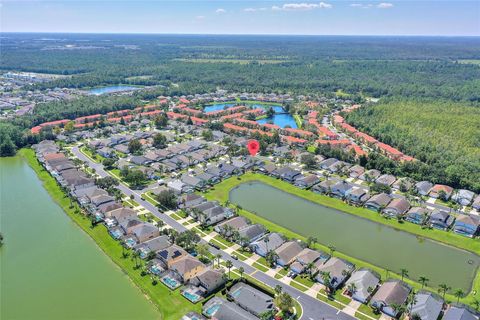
111, 89
171, 283
281, 120
192, 297
211, 310
218, 106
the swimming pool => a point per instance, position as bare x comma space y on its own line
170, 282
191, 296
212, 310
156, 269
130, 242
116, 234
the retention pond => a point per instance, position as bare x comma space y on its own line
378, 244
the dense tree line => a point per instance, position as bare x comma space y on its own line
443, 135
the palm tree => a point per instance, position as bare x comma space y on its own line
311, 241
135, 256
458, 294
271, 258
352, 288
284, 302
1, 239
444, 289
326, 279
278, 289
229, 266
309, 269
241, 270
124, 254
412, 300
404, 273
423, 280
218, 256
332, 249
397, 308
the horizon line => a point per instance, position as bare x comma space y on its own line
240, 34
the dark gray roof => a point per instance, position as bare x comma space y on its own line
458, 313
428, 306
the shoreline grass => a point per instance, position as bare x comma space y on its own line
221, 194
171, 305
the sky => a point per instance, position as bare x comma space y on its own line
402, 17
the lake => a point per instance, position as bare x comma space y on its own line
111, 89
360, 238
49, 268
280, 118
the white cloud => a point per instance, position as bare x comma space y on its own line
220, 11
384, 5
250, 10
356, 5
302, 6
200, 17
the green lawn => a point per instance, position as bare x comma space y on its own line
95, 157
305, 281
223, 241
368, 311
298, 286
171, 306
221, 191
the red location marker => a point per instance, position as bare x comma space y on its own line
253, 146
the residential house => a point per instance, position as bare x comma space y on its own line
213, 215
370, 175
170, 255
391, 293
403, 184
287, 253
195, 210
152, 245
441, 219
463, 197
290, 175
459, 313
251, 233
439, 189
140, 160
476, 203
208, 178
307, 181
267, 168
324, 186
305, 257
225, 310
397, 207
340, 189
121, 214
226, 228
378, 202
209, 279
427, 306
144, 231
179, 187
365, 283
325, 164
418, 215
193, 182
338, 269
270, 242
189, 200
106, 152
386, 179
467, 225
357, 195
187, 267
250, 299
356, 171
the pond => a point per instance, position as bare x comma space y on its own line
49, 268
360, 238
280, 119
111, 89
217, 107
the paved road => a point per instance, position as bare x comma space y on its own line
313, 309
